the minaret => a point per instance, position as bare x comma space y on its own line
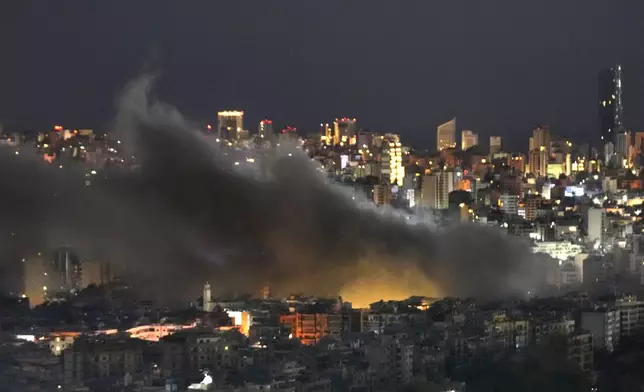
207, 298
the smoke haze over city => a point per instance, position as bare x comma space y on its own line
190, 214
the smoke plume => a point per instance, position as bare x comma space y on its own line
194, 211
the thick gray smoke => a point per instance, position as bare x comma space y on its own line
189, 214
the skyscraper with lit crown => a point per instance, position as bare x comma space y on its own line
230, 124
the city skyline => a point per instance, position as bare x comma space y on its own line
504, 92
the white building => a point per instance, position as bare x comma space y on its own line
596, 225
560, 250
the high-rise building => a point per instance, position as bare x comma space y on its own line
495, 144
344, 131
604, 325
36, 279
539, 151
638, 143
208, 305
469, 139
265, 128
435, 190
622, 147
326, 134
596, 224
230, 124
611, 110
446, 135
96, 272
68, 267
392, 168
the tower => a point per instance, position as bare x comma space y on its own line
207, 298
611, 110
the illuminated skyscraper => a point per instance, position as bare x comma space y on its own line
495, 144
326, 134
611, 110
392, 168
446, 135
344, 131
469, 139
539, 151
265, 128
230, 124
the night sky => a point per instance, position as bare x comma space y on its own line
499, 66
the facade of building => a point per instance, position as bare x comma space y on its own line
265, 128
391, 357
102, 357
310, 328
539, 151
446, 135
496, 145
631, 311
469, 139
382, 194
604, 325
611, 110
596, 225
509, 204
392, 169
435, 190
230, 124
345, 131
560, 250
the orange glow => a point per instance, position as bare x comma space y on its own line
58, 127
377, 282
310, 328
